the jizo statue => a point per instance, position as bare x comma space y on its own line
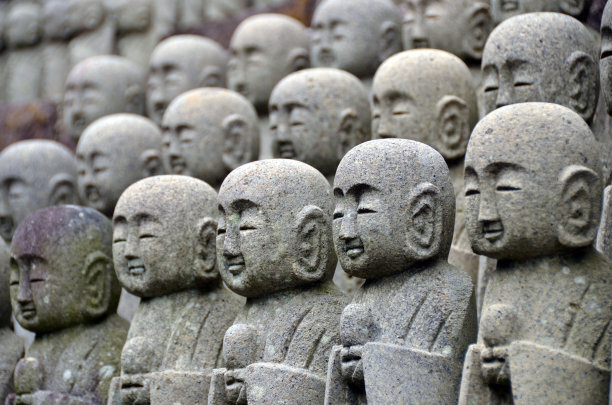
533, 198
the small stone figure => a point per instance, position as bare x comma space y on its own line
533, 195
317, 115
63, 288
405, 334
24, 64
275, 247
179, 64
99, 86
114, 152
11, 346
504, 9
208, 133
427, 95
34, 174
355, 36
96, 35
164, 251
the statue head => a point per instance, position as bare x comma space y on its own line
88, 15
57, 22
605, 63
179, 64
23, 24
275, 228
395, 208
114, 152
355, 36
61, 271
209, 132
34, 174
532, 183
504, 9
425, 95
99, 86
264, 49
317, 115
164, 230
131, 16
544, 57
460, 27
5, 299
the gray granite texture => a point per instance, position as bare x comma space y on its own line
533, 199
63, 288
605, 62
504, 9
393, 222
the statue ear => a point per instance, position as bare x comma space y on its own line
582, 73
347, 132
424, 233
298, 59
580, 206
134, 99
572, 7
98, 274
390, 40
211, 76
63, 190
479, 26
453, 126
151, 163
237, 143
206, 253
313, 241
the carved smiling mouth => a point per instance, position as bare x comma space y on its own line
136, 267
326, 57
353, 248
160, 109
79, 123
286, 150
509, 5
28, 310
6, 228
235, 265
493, 231
92, 194
420, 43
178, 165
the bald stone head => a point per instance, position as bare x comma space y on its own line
61, 269
264, 49
164, 231
545, 57
532, 183
355, 36
5, 299
395, 207
179, 64
275, 228
24, 24
99, 86
317, 115
460, 27
114, 152
34, 174
504, 9
209, 132
605, 63
425, 95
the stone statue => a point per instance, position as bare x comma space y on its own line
427, 95
34, 174
11, 346
114, 152
355, 36
405, 333
24, 64
179, 64
164, 251
218, 10
96, 33
504, 9
99, 86
317, 115
208, 133
533, 195
64, 289
275, 247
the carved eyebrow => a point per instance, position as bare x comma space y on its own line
250, 49
469, 171
517, 62
243, 204
335, 23
498, 167
394, 95
359, 189
338, 192
119, 220
296, 104
145, 217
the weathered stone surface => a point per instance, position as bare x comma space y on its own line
209, 132
504, 9
274, 246
96, 33
605, 63
64, 289
35, 174
393, 222
533, 195
114, 152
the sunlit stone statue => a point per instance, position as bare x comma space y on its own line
317, 115
355, 36
275, 247
24, 64
164, 251
114, 152
99, 86
179, 64
34, 174
404, 335
208, 133
533, 197
96, 34
63, 288
504, 9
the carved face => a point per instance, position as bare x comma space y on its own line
132, 16
605, 64
23, 25
98, 178
397, 114
167, 79
56, 20
19, 199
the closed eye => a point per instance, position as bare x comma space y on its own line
220, 231
365, 211
507, 188
489, 89
471, 192
605, 53
247, 228
37, 280
118, 240
338, 215
147, 236
522, 84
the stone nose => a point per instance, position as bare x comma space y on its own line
348, 226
